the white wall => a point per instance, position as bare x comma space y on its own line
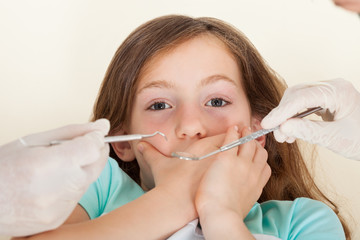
53, 56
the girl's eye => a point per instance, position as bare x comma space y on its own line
217, 102
159, 106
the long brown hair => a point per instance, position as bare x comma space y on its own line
290, 177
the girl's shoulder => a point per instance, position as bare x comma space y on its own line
112, 189
302, 218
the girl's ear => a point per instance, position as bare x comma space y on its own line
255, 126
123, 149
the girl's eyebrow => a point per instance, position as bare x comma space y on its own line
168, 85
215, 78
156, 84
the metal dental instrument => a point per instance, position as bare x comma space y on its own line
255, 135
108, 139
125, 138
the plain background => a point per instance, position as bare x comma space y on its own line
54, 54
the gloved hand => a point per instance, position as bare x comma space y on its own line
340, 130
40, 186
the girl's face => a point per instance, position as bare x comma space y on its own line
189, 93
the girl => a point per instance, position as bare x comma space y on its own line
203, 84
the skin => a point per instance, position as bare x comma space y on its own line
184, 83
351, 5
192, 94
185, 94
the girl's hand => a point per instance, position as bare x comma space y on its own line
177, 174
231, 185
176, 182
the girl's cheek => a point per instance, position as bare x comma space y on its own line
158, 120
151, 125
164, 146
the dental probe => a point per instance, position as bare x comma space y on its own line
108, 139
255, 135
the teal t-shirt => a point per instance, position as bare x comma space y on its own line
302, 218
111, 190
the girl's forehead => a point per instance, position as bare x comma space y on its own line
205, 44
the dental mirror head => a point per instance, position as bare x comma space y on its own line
185, 156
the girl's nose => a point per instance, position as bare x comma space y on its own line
190, 125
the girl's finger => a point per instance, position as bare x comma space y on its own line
261, 155
265, 175
232, 134
247, 150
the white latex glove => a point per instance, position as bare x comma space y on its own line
40, 186
340, 130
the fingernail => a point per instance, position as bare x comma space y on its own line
236, 128
140, 147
